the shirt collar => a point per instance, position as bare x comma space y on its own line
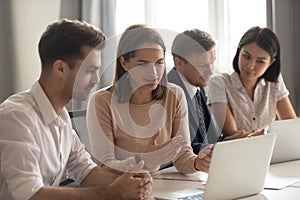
47, 111
237, 84
191, 89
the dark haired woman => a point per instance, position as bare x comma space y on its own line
254, 94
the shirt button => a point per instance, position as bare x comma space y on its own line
253, 118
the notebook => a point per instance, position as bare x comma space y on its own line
287, 145
238, 169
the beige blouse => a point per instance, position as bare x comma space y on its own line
118, 131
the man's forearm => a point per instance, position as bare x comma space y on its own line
99, 176
68, 193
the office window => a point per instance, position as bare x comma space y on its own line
241, 15
128, 13
181, 15
226, 20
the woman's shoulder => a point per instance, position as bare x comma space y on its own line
280, 80
103, 93
224, 76
174, 93
224, 79
278, 86
171, 87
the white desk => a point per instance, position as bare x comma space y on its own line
296, 185
292, 192
288, 193
166, 186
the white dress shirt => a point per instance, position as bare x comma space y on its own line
191, 89
37, 145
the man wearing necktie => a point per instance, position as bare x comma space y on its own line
194, 55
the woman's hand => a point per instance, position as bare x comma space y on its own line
242, 134
202, 162
158, 154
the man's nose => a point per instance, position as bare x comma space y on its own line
95, 78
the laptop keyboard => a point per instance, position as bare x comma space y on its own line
193, 197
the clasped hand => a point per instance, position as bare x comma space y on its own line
137, 181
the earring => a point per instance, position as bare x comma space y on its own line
127, 75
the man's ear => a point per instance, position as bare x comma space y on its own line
59, 68
123, 63
178, 62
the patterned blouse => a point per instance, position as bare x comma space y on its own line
249, 115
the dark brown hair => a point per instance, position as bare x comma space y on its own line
191, 41
266, 39
64, 40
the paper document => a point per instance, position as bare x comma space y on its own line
281, 175
172, 174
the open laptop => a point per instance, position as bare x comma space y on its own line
287, 145
238, 169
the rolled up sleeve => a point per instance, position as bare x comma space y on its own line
20, 173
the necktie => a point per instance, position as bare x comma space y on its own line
200, 111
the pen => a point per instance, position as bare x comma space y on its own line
221, 138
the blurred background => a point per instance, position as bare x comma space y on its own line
23, 22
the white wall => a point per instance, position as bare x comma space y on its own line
30, 19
